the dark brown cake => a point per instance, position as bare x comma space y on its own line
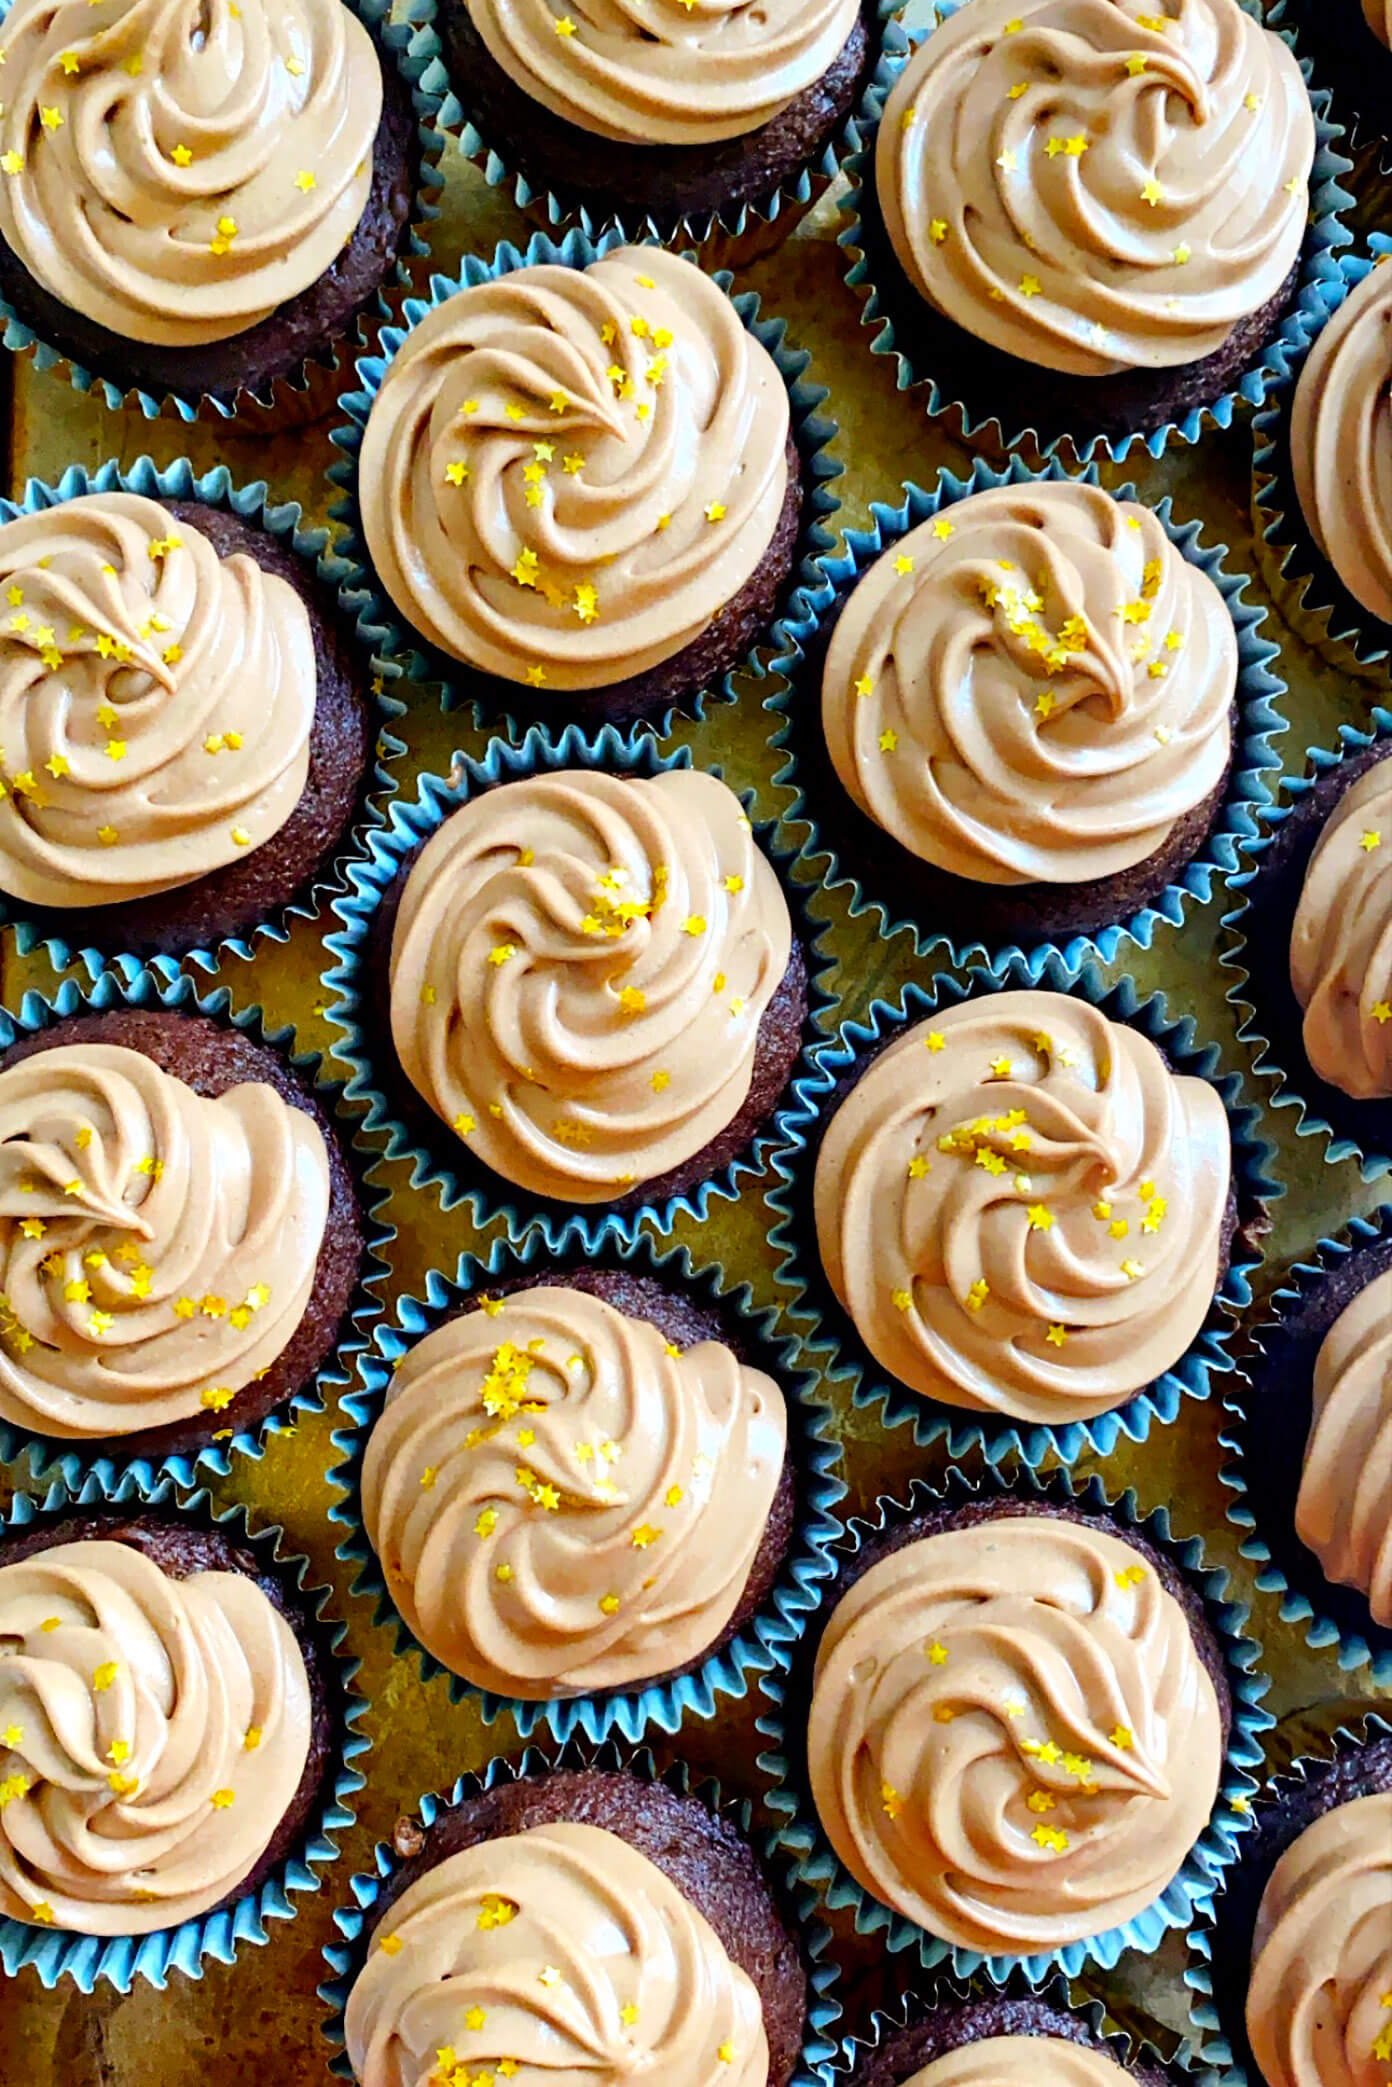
210, 1058
696, 1850
180, 1549
253, 889
903, 2052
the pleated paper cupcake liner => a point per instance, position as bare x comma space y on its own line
62, 935
123, 1961
1256, 951
359, 982
344, 1957
724, 1675
404, 650
831, 1342
1192, 1888
71, 1460
841, 835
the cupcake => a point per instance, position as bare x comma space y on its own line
676, 118
198, 203
186, 731
577, 1915
180, 1237
1088, 215
1030, 701
580, 486
592, 980
1011, 2038
167, 1714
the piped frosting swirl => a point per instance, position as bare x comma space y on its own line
559, 1949
1341, 942
569, 472
176, 169
1012, 1739
156, 702
1022, 2061
1032, 687
562, 1500
1341, 441
157, 1247
1344, 1509
1021, 1207
1093, 188
153, 1732
579, 968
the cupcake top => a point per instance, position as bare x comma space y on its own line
1033, 687
1023, 1209
153, 1732
560, 1948
1341, 442
155, 702
1322, 1954
1093, 188
1021, 2061
1344, 1509
157, 1246
1379, 16
579, 968
1013, 1741
568, 472
1341, 943
176, 170
562, 1500
675, 77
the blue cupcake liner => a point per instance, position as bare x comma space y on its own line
829, 1339
796, 702
1332, 1618
1321, 1111
403, 40
798, 1907
1222, 2044
182, 1952
401, 649
104, 1461
763, 1643
1325, 235
409, 822
1192, 1888
283, 521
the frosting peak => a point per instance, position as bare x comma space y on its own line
1344, 1509
1022, 2061
1341, 943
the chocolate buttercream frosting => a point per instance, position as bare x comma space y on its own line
1033, 687
562, 1500
568, 472
1344, 1509
1341, 942
1093, 188
1341, 442
153, 1732
1022, 1208
1012, 1740
1021, 2061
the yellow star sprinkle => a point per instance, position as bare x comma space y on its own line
978, 1294
181, 156
1152, 192
644, 1536
865, 686
12, 162
456, 473
536, 676
1136, 63
936, 1653
392, 1945
1051, 1837
564, 26
305, 181
1041, 1218
935, 1040
104, 1675
903, 565
51, 118
715, 511
1371, 839
70, 62
1382, 1011
502, 953
1123, 1738
889, 740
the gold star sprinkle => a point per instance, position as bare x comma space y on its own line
715, 511
1152, 192
51, 118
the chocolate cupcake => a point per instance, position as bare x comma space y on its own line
580, 486
970, 2037
273, 154
126, 1806
179, 1230
186, 729
1090, 221
482, 1943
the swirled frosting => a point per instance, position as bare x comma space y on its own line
1022, 1208
1379, 18
153, 1732
1013, 1741
1317, 2013
562, 1500
673, 76
579, 969
569, 472
155, 702
1341, 942
1341, 442
560, 1949
1021, 2061
1033, 687
1344, 1509
1093, 188
157, 1248
176, 169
